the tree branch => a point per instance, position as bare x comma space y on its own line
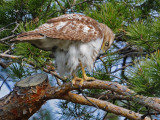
107, 106
29, 94
25, 99
113, 86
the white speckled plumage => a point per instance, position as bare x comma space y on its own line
86, 53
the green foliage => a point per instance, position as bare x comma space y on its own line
112, 14
7, 13
39, 57
76, 111
43, 114
145, 34
101, 75
25, 10
3, 47
18, 71
28, 26
146, 75
156, 29
150, 5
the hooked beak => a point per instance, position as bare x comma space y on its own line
102, 48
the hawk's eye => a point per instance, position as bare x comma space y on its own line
107, 44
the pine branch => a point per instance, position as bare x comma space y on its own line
32, 92
107, 106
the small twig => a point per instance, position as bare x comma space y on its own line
7, 26
121, 79
108, 96
69, 3
48, 6
62, 8
71, 6
115, 77
9, 49
54, 73
15, 28
127, 105
123, 67
3, 42
47, 71
120, 35
3, 64
85, 114
87, 98
104, 118
88, 101
8, 37
4, 81
10, 56
54, 12
82, 2
104, 63
58, 81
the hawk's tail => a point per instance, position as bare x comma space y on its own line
28, 36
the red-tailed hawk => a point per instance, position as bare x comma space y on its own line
74, 39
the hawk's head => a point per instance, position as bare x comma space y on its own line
108, 37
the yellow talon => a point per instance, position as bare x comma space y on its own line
75, 78
84, 77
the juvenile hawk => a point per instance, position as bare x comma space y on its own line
75, 41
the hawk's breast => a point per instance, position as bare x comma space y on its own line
68, 60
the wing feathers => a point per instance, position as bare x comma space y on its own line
29, 36
66, 27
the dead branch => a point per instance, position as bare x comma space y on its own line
9, 56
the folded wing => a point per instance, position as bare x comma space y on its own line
66, 27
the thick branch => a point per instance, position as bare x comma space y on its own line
106, 85
25, 99
107, 106
32, 92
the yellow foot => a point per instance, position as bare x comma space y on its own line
81, 79
86, 78
76, 79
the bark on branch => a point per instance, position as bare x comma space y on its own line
104, 105
31, 93
113, 86
25, 99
